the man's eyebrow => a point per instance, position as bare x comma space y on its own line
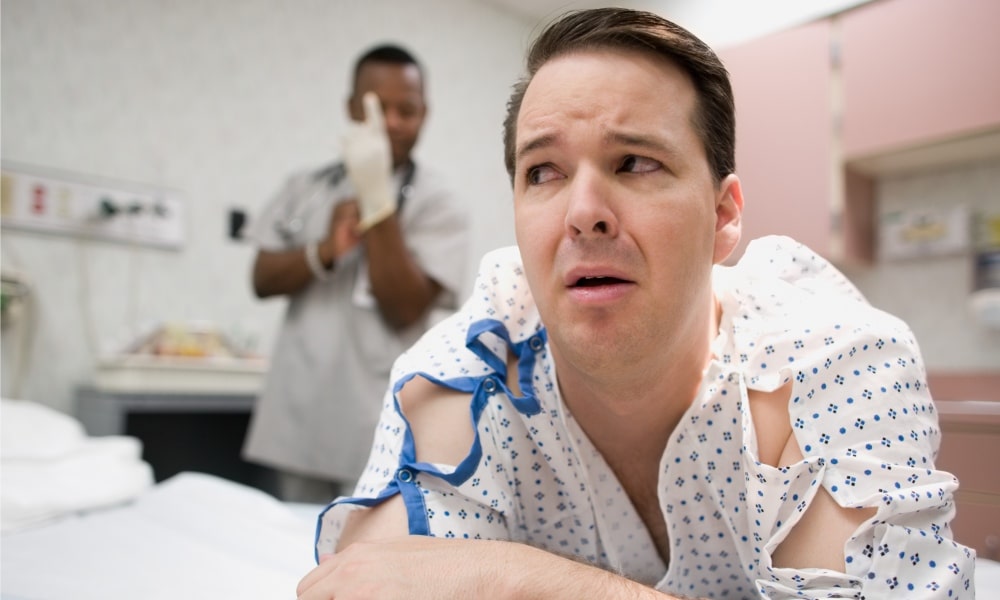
612, 137
533, 144
639, 140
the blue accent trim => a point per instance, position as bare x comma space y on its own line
413, 498
527, 404
416, 511
465, 469
459, 384
526, 358
473, 343
319, 527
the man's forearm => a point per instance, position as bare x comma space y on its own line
400, 287
419, 567
280, 273
539, 574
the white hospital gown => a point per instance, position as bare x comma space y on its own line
859, 408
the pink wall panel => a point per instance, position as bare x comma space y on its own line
782, 90
915, 71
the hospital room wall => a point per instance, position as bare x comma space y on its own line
933, 294
220, 100
827, 156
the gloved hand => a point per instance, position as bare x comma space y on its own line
369, 163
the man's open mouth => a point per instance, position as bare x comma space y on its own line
597, 281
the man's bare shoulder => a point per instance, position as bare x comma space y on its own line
440, 420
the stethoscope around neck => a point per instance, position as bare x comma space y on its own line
298, 212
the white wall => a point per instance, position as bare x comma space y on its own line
220, 100
932, 294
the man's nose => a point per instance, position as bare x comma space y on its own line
590, 212
393, 120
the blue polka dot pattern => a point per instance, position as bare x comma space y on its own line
859, 409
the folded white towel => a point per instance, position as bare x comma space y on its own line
32, 430
50, 468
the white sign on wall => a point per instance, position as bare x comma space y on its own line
918, 232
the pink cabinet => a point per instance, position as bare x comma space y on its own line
819, 104
917, 72
783, 133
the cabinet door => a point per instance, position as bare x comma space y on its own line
784, 157
970, 443
917, 72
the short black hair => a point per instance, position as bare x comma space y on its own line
386, 53
620, 28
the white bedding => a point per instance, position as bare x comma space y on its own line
192, 536
50, 467
82, 521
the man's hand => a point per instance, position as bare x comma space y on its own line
369, 163
342, 234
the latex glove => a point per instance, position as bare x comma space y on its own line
369, 164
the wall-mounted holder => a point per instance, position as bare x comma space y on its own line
985, 297
58, 202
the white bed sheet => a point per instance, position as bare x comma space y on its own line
192, 536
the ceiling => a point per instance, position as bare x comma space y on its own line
719, 22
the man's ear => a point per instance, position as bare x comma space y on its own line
728, 217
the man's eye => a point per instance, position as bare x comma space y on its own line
408, 111
541, 174
638, 164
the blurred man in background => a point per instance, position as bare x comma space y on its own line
364, 249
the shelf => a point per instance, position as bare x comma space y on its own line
177, 375
940, 154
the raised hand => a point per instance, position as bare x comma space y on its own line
368, 156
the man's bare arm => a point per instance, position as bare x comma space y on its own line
285, 272
817, 540
280, 273
442, 433
402, 290
420, 567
